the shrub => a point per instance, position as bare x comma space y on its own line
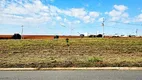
91, 36
99, 35
56, 37
82, 35
16, 36
94, 59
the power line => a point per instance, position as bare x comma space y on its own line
135, 30
125, 23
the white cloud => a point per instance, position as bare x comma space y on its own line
58, 18
119, 13
79, 13
65, 20
54, 11
139, 18
67, 23
34, 12
82, 14
94, 14
106, 13
114, 13
101, 19
125, 15
77, 22
126, 21
75, 12
120, 7
86, 19
15, 11
115, 18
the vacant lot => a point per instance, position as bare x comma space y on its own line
87, 52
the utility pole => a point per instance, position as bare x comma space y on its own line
103, 27
136, 32
22, 32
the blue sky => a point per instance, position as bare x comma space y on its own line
71, 17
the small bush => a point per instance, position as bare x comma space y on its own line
56, 37
82, 35
91, 36
99, 35
16, 36
94, 59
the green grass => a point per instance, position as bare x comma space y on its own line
86, 52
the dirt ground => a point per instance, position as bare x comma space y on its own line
86, 52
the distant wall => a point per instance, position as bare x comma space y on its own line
50, 37
37, 36
6, 36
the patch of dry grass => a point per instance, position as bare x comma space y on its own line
86, 52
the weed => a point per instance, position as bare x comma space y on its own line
94, 59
